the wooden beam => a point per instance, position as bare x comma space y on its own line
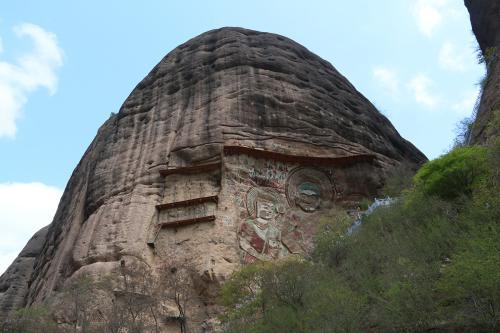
190, 202
180, 223
260, 153
191, 169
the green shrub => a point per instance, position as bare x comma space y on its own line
267, 297
331, 240
30, 320
453, 175
290, 295
470, 284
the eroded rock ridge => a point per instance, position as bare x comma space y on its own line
224, 154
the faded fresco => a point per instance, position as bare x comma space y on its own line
277, 205
271, 206
260, 234
308, 189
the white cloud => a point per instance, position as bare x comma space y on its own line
24, 209
465, 106
427, 15
451, 59
387, 78
420, 85
430, 14
33, 70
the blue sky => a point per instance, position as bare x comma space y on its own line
66, 65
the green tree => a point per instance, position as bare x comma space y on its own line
453, 175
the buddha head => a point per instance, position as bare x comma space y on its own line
308, 196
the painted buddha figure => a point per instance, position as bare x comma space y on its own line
260, 235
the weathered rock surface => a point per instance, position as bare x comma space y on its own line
223, 154
485, 20
14, 282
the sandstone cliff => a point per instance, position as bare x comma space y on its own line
14, 282
223, 154
485, 20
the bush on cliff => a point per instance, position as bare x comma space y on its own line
453, 175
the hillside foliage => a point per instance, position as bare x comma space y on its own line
428, 262
131, 300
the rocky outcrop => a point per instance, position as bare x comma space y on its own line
485, 20
224, 154
14, 282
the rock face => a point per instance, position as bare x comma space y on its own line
14, 282
485, 20
223, 155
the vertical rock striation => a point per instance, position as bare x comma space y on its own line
14, 282
224, 154
485, 20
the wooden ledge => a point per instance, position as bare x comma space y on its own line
260, 153
190, 202
191, 169
180, 223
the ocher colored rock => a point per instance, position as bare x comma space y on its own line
224, 154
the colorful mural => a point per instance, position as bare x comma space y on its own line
271, 202
308, 188
278, 203
260, 234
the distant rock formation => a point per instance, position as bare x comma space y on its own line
14, 282
223, 155
485, 20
